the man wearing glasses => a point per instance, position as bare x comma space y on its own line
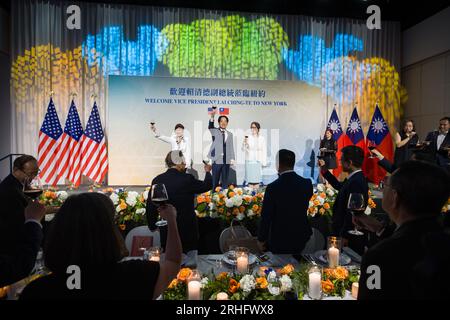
13, 202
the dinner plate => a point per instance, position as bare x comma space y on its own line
322, 256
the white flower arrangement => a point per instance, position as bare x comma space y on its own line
273, 290
286, 283
115, 198
62, 195
247, 283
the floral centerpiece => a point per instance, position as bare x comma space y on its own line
53, 198
446, 207
322, 201
270, 284
130, 208
336, 281
231, 203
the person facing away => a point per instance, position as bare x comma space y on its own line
14, 201
405, 141
255, 149
178, 141
181, 189
83, 234
352, 158
439, 145
284, 226
17, 266
413, 261
221, 152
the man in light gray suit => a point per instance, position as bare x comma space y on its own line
221, 152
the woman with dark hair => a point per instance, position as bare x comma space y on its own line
328, 149
83, 235
405, 142
255, 149
179, 141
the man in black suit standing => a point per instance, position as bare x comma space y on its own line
13, 201
440, 143
18, 265
181, 188
352, 158
221, 152
284, 226
411, 263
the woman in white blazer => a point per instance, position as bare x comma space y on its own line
255, 149
177, 141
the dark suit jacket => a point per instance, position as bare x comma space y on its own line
400, 258
11, 214
387, 165
181, 188
440, 155
216, 151
284, 224
17, 266
342, 219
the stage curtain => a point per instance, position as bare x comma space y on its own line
350, 63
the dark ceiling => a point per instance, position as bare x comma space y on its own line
408, 13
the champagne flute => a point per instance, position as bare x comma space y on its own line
159, 197
371, 145
356, 205
32, 187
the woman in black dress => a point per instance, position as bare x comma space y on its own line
406, 141
83, 235
328, 149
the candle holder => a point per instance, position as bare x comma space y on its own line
242, 255
315, 282
334, 251
194, 286
154, 254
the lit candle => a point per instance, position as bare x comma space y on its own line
355, 287
315, 285
333, 257
222, 296
194, 287
242, 264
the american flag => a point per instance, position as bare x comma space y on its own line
70, 149
93, 148
48, 148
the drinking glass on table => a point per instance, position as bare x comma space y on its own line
159, 197
356, 205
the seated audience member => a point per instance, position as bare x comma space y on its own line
413, 197
352, 158
284, 227
18, 266
13, 200
181, 188
83, 235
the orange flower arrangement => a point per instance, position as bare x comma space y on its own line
184, 274
173, 283
234, 286
327, 286
222, 276
262, 282
287, 269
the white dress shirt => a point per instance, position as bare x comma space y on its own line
184, 146
256, 150
440, 139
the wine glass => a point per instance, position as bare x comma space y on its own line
159, 197
371, 145
356, 205
32, 187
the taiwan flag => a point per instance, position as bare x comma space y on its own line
335, 126
354, 135
380, 137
